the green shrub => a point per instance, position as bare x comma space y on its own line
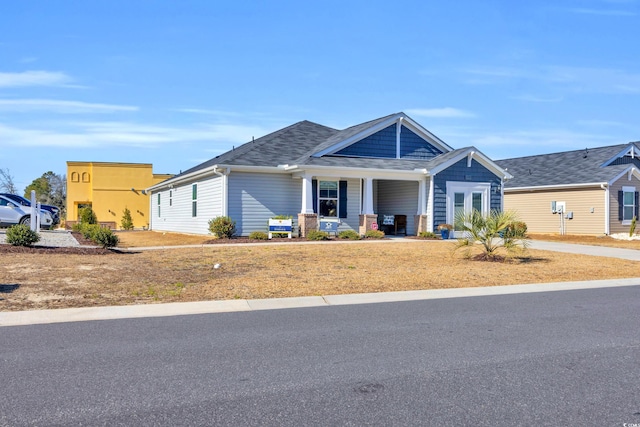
259, 235
222, 227
22, 235
349, 235
317, 235
427, 235
105, 238
77, 227
88, 216
632, 229
374, 234
89, 231
127, 222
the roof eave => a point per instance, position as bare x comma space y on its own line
555, 186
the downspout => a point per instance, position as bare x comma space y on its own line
607, 211
225, 189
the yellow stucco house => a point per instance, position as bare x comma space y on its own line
109, 188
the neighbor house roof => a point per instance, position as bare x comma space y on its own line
579, 167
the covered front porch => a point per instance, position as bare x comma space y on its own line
373, 200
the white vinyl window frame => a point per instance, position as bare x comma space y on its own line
628, 204
328, 200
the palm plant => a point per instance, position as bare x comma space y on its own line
492, 234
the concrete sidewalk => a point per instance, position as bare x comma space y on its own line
205, 307
601, 251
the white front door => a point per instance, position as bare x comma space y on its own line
465, 197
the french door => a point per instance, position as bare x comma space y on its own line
465, 197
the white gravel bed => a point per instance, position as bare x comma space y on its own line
57, 238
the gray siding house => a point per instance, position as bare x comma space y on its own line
356, 176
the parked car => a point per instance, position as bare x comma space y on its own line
12, 213
54, 211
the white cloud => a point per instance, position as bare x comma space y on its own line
63, 107
123, 134
34, 78
446, 112
574, 79
207, 112
602, 12
534, 98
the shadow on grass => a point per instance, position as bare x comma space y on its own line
531, 260
512, 260
7, 289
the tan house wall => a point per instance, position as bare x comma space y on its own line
616, 225
534, 208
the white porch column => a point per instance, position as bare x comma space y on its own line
307, 196
430, 203
368, 196
422, 197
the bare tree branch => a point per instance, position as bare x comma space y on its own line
6, 182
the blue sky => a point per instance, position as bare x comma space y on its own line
175, 83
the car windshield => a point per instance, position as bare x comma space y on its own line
21, 200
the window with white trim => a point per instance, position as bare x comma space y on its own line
194, 200
628, 203
328, 198
158, 205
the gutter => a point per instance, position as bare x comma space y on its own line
298, 168
554, 187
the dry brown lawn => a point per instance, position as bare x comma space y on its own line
41, 280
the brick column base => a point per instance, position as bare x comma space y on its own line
366, 221
307, 222
420, 222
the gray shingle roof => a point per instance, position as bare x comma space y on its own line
297, 144
283, 146
565, 168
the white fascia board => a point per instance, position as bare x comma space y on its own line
357, 137
631, 169
555, 187
418, 129
479, 157
182, 178
622, 153
326, 171
220, 169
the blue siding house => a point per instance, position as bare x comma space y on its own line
390, 166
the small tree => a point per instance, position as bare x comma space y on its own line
88, 216
126, 223
6, 182
499, 231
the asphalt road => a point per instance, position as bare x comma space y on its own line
557, 358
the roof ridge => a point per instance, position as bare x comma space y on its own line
569, 151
